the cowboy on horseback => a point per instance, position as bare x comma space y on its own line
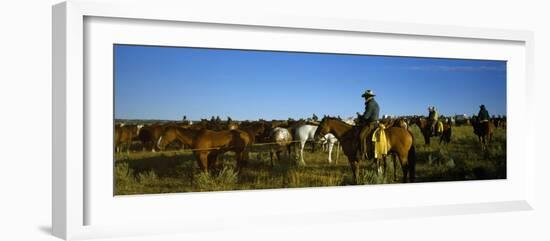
369, 120
483, 128
483, 115
433, 116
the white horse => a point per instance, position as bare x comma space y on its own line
283, 139
328, 142
304, 133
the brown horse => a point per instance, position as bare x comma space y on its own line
484, 132
124, 135
209, 144
255, 130
149, 136
174, 133
425, 129
400, 142
499, 122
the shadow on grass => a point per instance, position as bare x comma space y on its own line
162, 165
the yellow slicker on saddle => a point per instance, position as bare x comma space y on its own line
380, 141
439, 127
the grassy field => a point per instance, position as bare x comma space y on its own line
177, 171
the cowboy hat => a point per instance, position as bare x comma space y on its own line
368, 93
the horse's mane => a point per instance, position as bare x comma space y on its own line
337, 119
328, 117
313, 123
332, 118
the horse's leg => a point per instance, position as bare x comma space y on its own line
302, 145
481, 143
151, 146
239, 157
289, 150
337, 153
394, 167
213, 161
128, 145
480, 139
330, 145
271, 156
379, 164
244, 157
363, 148
408, 167
405, 168
353, 165
384, 164
426, 138
296, 151
202, 160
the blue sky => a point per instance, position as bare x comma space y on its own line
169, 82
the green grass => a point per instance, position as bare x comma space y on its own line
177, 171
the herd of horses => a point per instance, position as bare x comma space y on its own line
208, 139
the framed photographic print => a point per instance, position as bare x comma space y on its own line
180, 121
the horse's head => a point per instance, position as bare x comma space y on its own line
417, 120
260, 128
323, 128
323, 139
167, 137
138, 127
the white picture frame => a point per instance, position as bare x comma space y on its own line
70, 214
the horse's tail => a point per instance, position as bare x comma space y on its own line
412, 163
